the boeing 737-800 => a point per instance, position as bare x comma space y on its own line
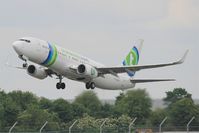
48, 59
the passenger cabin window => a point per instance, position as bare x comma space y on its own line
25, 40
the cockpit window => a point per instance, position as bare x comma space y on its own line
25, 40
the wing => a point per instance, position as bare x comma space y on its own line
149, 80
123, 69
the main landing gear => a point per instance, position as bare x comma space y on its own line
60, 84
25, 64
90, 85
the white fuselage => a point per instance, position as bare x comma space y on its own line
37, 51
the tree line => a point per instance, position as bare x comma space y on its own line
31, 112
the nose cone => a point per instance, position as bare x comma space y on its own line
17, 47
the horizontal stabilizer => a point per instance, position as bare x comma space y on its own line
149, 80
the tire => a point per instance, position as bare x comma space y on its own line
92, 85
88, 85
63, 86
58, 86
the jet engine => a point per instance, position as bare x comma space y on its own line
87, 70
36, 72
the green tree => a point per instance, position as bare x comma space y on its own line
78, 110
63, 109
89, 101
182, 111
87, 122
2, 122
123, 123
119, 98
106, 111
135, 103
45, 103
175, 95
11, 110
2, 111
157, 116
23, 99
33, 118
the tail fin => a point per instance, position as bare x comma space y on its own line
133, 57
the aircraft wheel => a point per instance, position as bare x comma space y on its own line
88, 85
92, 85
58, 86
63, 86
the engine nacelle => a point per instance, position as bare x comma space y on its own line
87, 70
36, 72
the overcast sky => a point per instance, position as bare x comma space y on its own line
104, 30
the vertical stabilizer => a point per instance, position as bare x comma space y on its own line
133, 56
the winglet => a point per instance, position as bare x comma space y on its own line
183, 58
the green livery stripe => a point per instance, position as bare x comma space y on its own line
52, 56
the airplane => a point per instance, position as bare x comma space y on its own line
48, 59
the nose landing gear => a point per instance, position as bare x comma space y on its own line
60, 84
25, 64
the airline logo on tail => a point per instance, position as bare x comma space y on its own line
132, 59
